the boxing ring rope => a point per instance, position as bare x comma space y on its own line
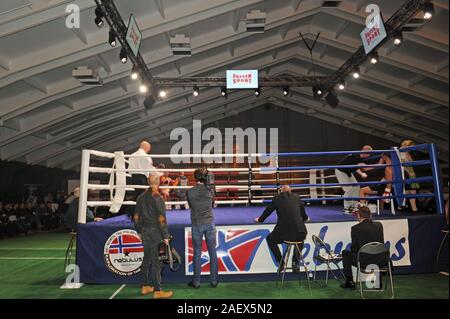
118, 174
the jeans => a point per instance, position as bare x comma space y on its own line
151, 266
209, 233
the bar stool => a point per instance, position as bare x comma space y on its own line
73, 236
298, 245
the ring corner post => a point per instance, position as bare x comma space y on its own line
84, 181
437, 179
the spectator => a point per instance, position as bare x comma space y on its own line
43, 216
31, 212
366, 231
70, 218
24, 219
48, 198
290, 224
3, 222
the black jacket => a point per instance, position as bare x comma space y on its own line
291, 215
366, 232
70, 218
150, 215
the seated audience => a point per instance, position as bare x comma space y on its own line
70, 218
290, 224
366, 231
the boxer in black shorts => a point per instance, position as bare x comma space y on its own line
375, 175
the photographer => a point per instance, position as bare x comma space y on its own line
151, 224
201, 200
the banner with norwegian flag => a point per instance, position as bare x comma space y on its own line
244, 249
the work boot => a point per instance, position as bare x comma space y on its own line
145, 290
349, 283
162, 294
193, 285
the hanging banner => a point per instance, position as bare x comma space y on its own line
242, 79
134, 35
373, 34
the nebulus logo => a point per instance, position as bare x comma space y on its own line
233, 141
124, 252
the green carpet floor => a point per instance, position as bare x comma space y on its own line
32, 267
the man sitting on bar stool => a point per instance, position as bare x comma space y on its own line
290, 224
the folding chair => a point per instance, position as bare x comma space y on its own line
383, 265
327, 257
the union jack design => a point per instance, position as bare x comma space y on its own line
236, 250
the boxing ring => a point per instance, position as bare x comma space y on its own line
111, 252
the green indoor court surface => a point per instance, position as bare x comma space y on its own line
32, 267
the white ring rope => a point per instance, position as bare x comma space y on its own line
118, 187
243, 187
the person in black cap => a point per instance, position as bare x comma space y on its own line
290, 224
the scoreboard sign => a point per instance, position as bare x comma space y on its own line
242, 79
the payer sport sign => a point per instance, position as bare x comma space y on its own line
134, 35
242, 79
244, 249
373, 34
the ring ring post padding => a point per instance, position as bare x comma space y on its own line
398, 177
119, 192
84, 181
437, 179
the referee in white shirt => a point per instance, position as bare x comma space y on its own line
145, 163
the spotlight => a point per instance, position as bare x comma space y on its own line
258, 92
123, 56
143, 88
332, 100
134, 74
398, 39
223, 91
112, 39
356, 73
317, 91
99, 22
196, 91
162, 93
428, 11
374, 58
285, 90
341, 85
99, 17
